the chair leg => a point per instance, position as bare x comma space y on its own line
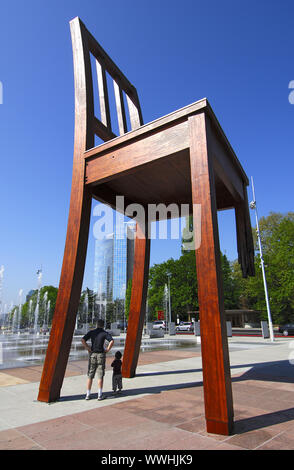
244, 237
214, 344
68, 296
138, 302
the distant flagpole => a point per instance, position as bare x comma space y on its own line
254, 206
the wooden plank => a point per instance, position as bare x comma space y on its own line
103, 132
103, 95
146, 129
106, 195
138, 302
120, 109
137, 153
134, 114
214, 347
224, 165
100, 54
249, 236
244, 237
77, 234
217, 129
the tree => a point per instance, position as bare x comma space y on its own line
29, 307
128, 299
230, 284
277, 238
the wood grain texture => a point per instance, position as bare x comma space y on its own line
244, 236
77, 232
214, 347
103, 95
120, 109
138, 301
128, 158
183, 157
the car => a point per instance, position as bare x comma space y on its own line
185, 326
158, 324
287, 329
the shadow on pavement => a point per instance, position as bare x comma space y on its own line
277, 371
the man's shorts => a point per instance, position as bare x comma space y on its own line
96, 362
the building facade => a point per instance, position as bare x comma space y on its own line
103, 268
113, 262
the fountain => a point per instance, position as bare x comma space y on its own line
29, 347
45, 305
19, 310
37, 310
15, 320
30, 313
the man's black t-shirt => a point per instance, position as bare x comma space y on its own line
97, 338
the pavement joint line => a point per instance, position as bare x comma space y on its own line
269, 440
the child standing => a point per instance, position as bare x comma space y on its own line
117, 377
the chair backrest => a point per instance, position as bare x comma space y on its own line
85, 44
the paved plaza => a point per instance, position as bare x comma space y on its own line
162, 408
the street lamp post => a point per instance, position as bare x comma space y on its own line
254, 206
169, 303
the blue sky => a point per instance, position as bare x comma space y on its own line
237, 54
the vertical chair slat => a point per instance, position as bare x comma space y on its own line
103, 95
135, 113
120, 108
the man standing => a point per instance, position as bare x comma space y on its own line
97, 355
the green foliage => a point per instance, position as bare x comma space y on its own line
128, 299
28, 308
183, 285
277, 238
230, 284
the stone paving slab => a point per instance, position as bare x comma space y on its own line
162, 408
7, 379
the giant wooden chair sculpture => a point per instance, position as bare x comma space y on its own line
181, 158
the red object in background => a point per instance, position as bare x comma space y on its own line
160, 315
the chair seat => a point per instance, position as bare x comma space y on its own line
151, 165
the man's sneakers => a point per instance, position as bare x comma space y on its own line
100, 397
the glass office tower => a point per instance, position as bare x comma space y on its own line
103, 268
113, 264
123, 258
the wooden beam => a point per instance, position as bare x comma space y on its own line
214, 347
100, 54
103, 95
102, 131
137, 153
224, 165
138, 302
134, 113
244, 237
105, 195
147, 129
77, 231
120, 109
